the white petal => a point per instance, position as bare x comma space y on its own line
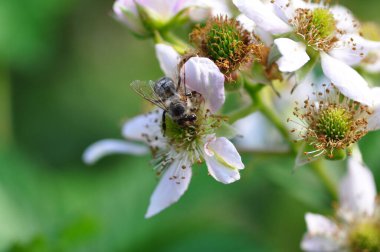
168, 59
352, 48
374, 119
125, 11
203, 76
358, 189
203, 9
319, 224
345, 21
372, 62
172, 186
320, 244
167, 8
321, 235
246, 22
249, 25
146, 128
222, 159
107, 147
263, 16
287, 9
162, 10
293, 53
257, 134
346, 79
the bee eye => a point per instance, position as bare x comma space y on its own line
192, 117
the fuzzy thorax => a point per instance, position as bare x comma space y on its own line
317, 27
330, 123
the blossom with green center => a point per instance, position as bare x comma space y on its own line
329, 124
316, 27
307, 33
356, 227
226, 42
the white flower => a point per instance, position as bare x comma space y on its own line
332, 34
162, 12
178, 147
357, 226
328, 123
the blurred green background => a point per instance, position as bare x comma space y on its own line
65, 67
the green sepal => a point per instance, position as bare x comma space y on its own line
178, 20
234, 85
147, 20
226, 130
144, 34
302, 73
274, 55
337, 154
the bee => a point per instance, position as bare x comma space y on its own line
173, 100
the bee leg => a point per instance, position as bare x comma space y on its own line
163, 125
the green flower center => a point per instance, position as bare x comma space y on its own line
188, 135
323, 22
226, 42
334, 123
317, 27
223, 41
365, 237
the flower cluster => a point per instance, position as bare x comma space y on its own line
274, 54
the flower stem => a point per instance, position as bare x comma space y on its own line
239, 114
180, 45
168, 38
320, 170
5, 107
276, 121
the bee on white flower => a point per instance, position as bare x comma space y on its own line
356, 226
307, 32
180, 145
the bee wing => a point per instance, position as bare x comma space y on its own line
146, 90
